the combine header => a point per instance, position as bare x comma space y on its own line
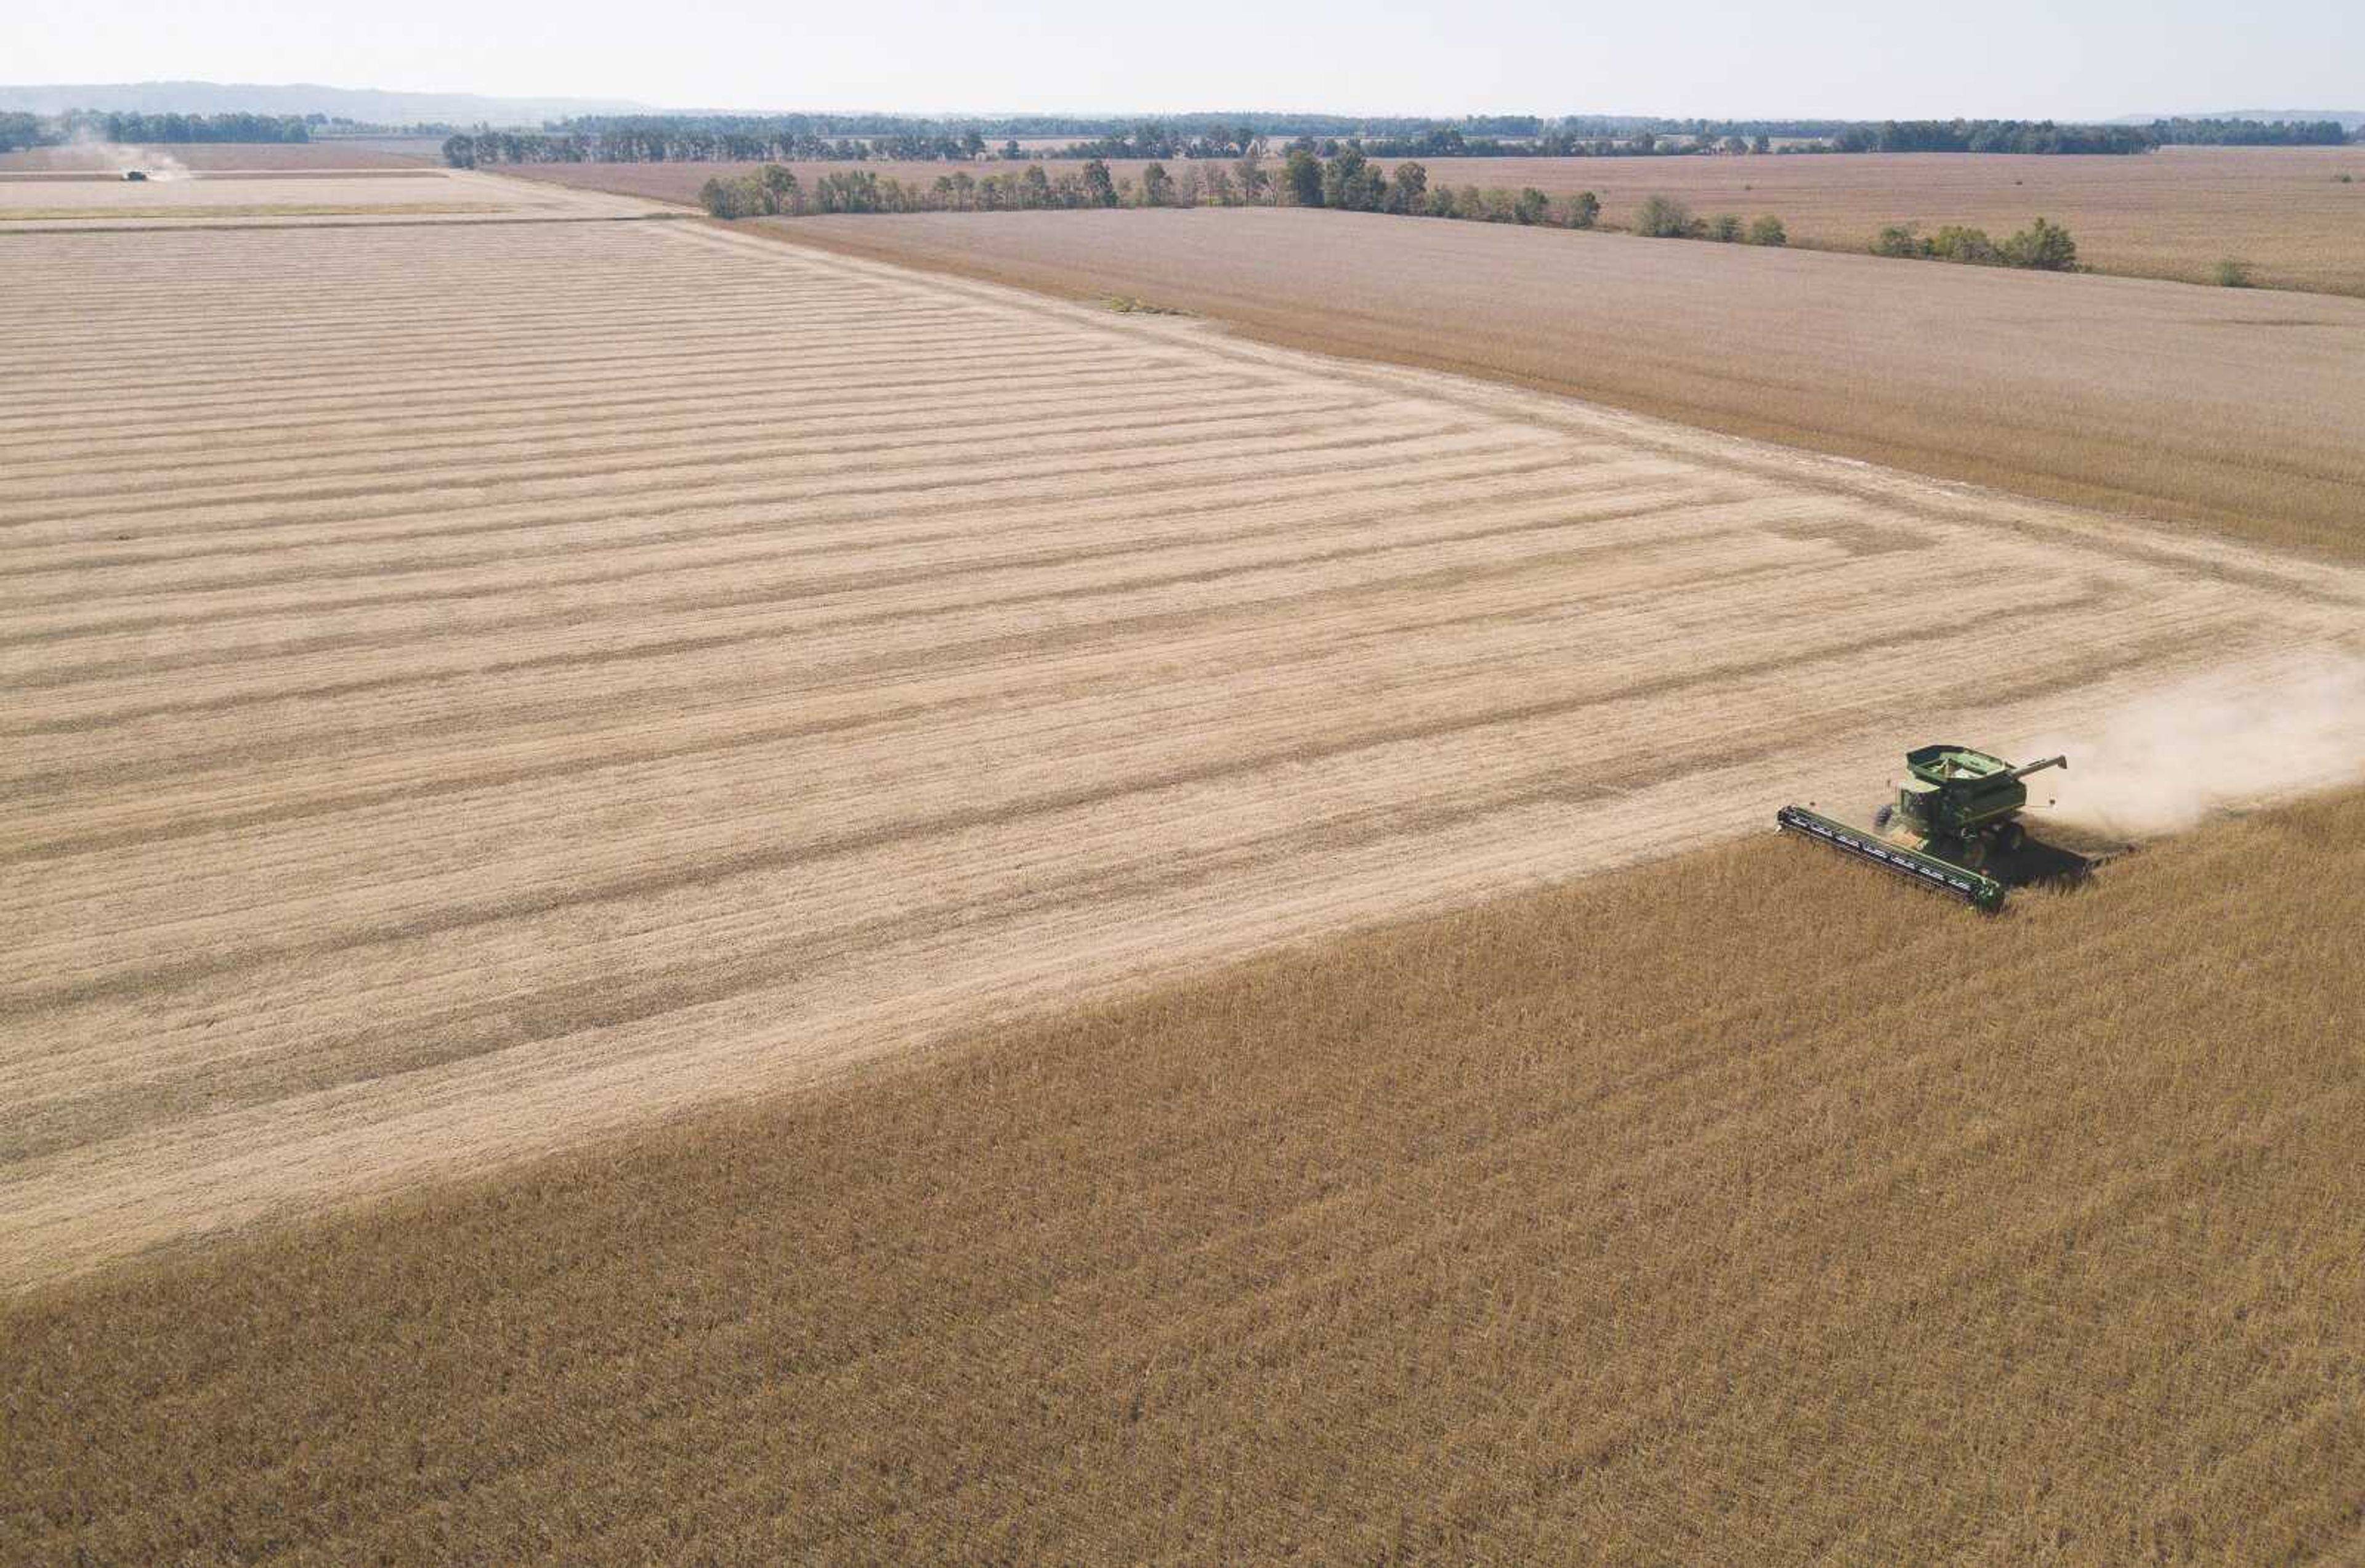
1956, 811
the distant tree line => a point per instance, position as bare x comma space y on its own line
1664, 218
20, 129
1447, 143
1347, 180
166, 127
1210, 138
1159, 138
2249, 133
1990, 136
337, 125
49, 131
1153, 138
2042, 246
1227, 135
652, 144
851, 137
776, 191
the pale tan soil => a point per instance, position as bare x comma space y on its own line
2241, 411
2171, 214
470, 687
22, 178
272, 209
228, 155
212, 199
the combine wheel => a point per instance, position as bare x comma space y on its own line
2010, 838
1971, 853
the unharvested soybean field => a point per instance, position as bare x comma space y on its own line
1745, 1207
562, 673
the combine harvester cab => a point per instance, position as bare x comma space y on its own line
1956, 811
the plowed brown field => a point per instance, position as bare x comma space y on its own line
2171, 214
554, 674
2175, 213
2244, 411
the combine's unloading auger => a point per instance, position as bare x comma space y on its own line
1959, 809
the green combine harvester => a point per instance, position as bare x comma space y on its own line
1957, 813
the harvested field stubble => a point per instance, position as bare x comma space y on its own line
396, 196
2244, 412
263, 209
239, 156
518, 699
1746, 1208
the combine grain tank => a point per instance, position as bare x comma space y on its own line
1957, 810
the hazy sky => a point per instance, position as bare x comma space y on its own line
1853, 59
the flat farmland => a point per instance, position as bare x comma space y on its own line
562, 675
366, 194
1746, 1208
2171, 214
2174, 213
243, 156
2240, 411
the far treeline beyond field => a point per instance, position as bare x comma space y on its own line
2284, 213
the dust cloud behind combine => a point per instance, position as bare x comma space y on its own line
97, 153
565, 673
1750, 1208
2163, 759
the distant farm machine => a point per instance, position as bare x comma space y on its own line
1957, 813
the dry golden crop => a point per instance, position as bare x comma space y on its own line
2234, 410
1750, 1207
262, 209
560, 673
